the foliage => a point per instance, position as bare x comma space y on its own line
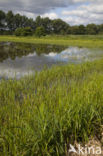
23, 31
59, 26
43, 114
10, 21
2, 18
75, 30
40, 31
92, 29
82, 30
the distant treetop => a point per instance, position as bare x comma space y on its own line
22, 25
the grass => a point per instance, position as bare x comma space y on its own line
89, 41
42, 115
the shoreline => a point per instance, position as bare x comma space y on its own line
87, 41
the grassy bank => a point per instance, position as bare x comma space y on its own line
95, 41
42, 115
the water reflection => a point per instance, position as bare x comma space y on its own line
13, 50
76, 55
18, 59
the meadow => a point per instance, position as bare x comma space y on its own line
90, 41
41, 115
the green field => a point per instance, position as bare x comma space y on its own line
41, 115
71, 40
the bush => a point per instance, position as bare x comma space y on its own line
6, 32
23, 31
18, 31
40, 31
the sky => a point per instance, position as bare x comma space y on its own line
74, 12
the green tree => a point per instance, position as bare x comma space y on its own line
69, 30
17, 21
75, 30
31, 23
40, 31
92, 29
100, 29
39, 21
47, 24
81, 29
24, 20
2, 19
59, 26
10, 20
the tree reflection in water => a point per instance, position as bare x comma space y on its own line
12, 50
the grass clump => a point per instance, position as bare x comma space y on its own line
43, 114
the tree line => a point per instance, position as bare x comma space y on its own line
19, 25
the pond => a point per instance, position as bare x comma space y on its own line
19, 59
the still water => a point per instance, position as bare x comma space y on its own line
19, 59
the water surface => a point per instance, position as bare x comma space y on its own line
19, 59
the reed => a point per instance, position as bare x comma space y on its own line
42, 114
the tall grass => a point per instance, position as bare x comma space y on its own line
40, 115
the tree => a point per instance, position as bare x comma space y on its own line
10, 20
92, 29
42, 26
38, 21
24, 20
100, 29
81, 30
2, 19
69, 30
31, 23
40, 31
47, 24
59, 26
17, 21
75, 30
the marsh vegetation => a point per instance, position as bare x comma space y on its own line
42, 114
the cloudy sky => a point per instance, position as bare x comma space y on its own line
72, 11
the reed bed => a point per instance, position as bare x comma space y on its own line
41, 115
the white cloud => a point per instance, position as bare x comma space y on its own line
73, 11
28, 14
85, 13
75, 21
94, 8
51, 15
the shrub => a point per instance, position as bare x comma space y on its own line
40, 31
18, 31
23, 31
